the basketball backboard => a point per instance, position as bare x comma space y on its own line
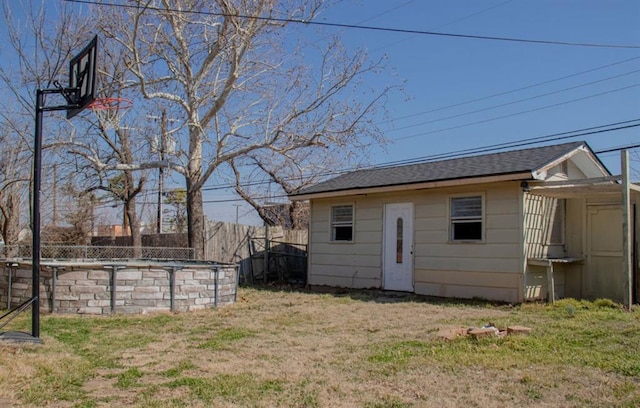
82, 78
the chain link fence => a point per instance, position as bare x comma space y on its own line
98, 252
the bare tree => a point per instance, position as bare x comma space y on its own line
38, 51
233, 73
111, 148
14, 184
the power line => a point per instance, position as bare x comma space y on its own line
615, 149
365, 27
517, 113
455, 105
628, 124
521, 142
514, 102
463, 152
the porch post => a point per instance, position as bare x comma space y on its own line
626, 230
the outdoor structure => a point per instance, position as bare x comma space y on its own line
539, 223
126, 287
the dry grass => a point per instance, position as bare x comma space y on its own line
296, 349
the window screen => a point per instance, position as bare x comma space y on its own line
342, 223
466, 218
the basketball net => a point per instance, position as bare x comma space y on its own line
109, 111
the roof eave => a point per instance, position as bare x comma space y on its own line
527, 175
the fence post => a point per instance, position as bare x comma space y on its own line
54, 279
114, 270
265, 272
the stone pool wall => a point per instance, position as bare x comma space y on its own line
128, 287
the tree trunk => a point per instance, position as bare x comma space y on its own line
11, 227
195, 221
134, 225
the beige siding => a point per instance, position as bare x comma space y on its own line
491, 269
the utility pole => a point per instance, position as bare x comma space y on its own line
237, 208
163, 137
55, 195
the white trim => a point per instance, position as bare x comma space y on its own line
483, 218
353, 223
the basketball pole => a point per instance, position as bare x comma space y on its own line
35, 217
79, 94
35, 222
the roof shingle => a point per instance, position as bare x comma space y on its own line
516, 161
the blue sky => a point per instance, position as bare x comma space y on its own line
443, 71
449, 101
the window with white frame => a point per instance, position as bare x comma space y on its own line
466, 218
342, 223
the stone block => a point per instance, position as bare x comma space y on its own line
483, 332
144, 295
73, 275
204, 301
20, 286
124, 295
129, 309
518, 330
125, 288
155, 274
452, 334
192, 288
129, 275
72, 297
103, 275
85, 283
90, 310
184, 274
98, 303
89, 289
103, 295
145, 282
140, 302
23, 273
147, 289
202, 275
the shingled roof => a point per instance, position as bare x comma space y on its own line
503, 163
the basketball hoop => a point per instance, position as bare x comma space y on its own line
109, 111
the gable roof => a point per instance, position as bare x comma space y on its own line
511, 165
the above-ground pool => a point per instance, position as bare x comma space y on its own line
105, 287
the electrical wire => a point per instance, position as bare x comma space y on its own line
530, 98
517, 113
364, 27
455, 105
627, 124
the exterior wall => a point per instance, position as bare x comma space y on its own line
86, 288
491, 269
356, 264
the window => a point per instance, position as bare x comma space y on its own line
342, 223
466, 218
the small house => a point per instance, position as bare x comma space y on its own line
537, 223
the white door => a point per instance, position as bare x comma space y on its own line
398, 247
604, 253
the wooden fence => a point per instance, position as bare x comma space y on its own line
285, 256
